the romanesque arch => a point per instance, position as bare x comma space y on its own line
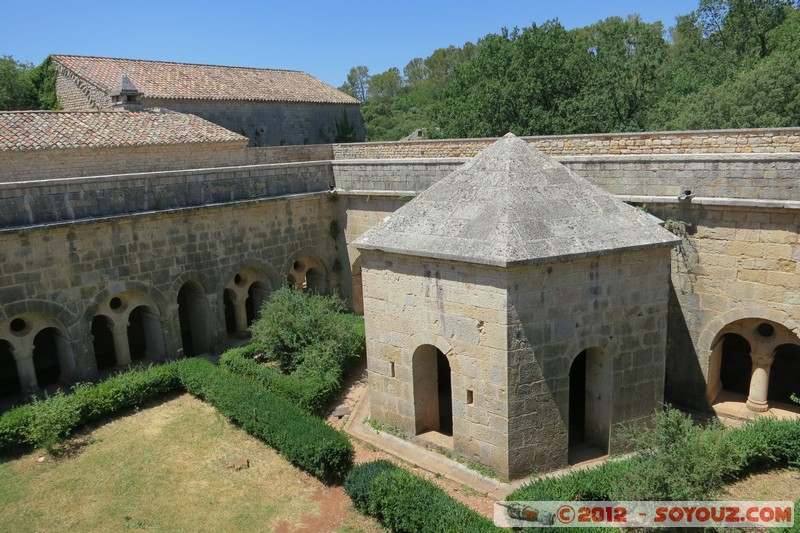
40, 348
129, 325
194, 318
309, 273
590, 402
243, 296
765, 341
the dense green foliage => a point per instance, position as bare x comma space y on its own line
23, 86
405, 502
311, 393
679, 461
729, 63
301, 438
307, 332
45, 421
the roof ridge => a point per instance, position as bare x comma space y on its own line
179, 63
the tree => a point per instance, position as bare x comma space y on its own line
16, 89
357, 83
385, 85
415, 72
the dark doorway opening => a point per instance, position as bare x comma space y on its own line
103, 342
229, 300
445, 394
193, 318
9, 377
577, 400
137, 339
45, 357
736, 365
784, 375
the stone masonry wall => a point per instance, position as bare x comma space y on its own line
80, 198
669, 142
271, 123
458, 308
53, 164
617, 303
67, 270
734, 263
745, 176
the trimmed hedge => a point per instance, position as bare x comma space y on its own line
404, 502
45, 421
311, 393
300, 437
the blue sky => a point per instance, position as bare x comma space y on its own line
322, 38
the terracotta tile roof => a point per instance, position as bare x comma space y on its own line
47, 130
160, 79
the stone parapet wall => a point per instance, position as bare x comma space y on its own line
41, 202
671, 142
36, 165
743, 176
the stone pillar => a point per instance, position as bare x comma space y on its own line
241, 312
122, 349
27, 375
759, 381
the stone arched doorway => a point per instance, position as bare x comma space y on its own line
432, 389
590, 387
735, 365
193, 316
45, 356
103, 342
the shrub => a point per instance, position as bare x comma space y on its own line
300, 437
595, 484
680, 460
125, 390
291, 321
52, 418
767, 442
404, 502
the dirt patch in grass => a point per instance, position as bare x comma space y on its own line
168, 468
776, 485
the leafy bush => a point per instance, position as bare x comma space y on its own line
45, 421
767, 442
300, 437
311, 393
595, 484
680, 460
404, 502
292, 321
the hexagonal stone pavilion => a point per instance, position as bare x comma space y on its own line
516, 313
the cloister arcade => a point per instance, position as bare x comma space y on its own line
755, 361
131, 325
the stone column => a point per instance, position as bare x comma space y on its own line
241, 312
759, 381
27, 375
122, 349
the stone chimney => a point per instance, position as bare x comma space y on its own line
126, 96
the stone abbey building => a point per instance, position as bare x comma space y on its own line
517, 310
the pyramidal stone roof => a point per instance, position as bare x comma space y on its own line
513, 205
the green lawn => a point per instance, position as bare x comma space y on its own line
166, 468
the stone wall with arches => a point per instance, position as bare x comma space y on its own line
151, 286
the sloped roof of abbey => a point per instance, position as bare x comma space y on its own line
513, 205
47, 130
161, 79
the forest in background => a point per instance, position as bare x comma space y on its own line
728, 64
